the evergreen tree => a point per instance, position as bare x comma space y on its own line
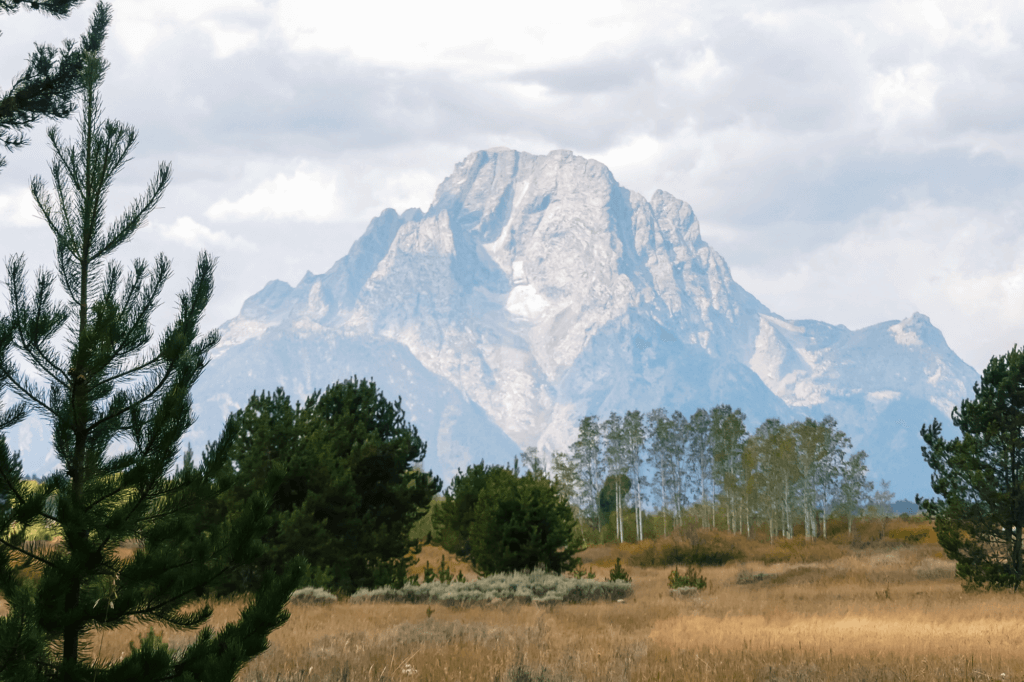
457, 513
522, 523
100, 381
51, 83
341, 475
978, 478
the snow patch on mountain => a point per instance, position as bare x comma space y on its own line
535, 290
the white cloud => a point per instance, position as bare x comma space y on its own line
18, 209
188, 232
305, 195
839, 154
231, 25
465, 34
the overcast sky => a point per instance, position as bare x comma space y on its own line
854, 162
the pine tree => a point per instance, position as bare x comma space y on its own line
101, 382
523, 523
50, 85
978, 478
341, 474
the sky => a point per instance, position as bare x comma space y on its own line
853, 161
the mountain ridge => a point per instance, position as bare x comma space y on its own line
536, 289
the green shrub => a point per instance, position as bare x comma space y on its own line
583, 574
443, 574
692, 578
618, 573
536, 587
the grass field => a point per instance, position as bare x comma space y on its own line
891, 611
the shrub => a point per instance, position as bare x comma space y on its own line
700, 548
312, 595
583, 574
537, 587
443, 574
692, 578
618, 573
747, 577
684, 592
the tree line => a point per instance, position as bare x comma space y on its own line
777, 475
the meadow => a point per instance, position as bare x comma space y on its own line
890, 609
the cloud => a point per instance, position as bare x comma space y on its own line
305, 195
962, 267
18, 209
188, 232
810, 138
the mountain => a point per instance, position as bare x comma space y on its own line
536, 290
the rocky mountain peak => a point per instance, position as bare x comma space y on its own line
536, 289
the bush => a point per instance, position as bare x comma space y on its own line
312, 595
618, 573
583, 574
699, 548
684, 592
747, 577
513, 524
442, 575
692, 578
536, 587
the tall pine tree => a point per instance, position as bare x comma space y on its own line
50, 84
118, 404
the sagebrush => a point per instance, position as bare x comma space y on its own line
536, 587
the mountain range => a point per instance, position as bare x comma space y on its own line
535, 290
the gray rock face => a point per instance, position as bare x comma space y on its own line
536, 290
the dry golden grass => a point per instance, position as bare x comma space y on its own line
887, 611
884, 613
